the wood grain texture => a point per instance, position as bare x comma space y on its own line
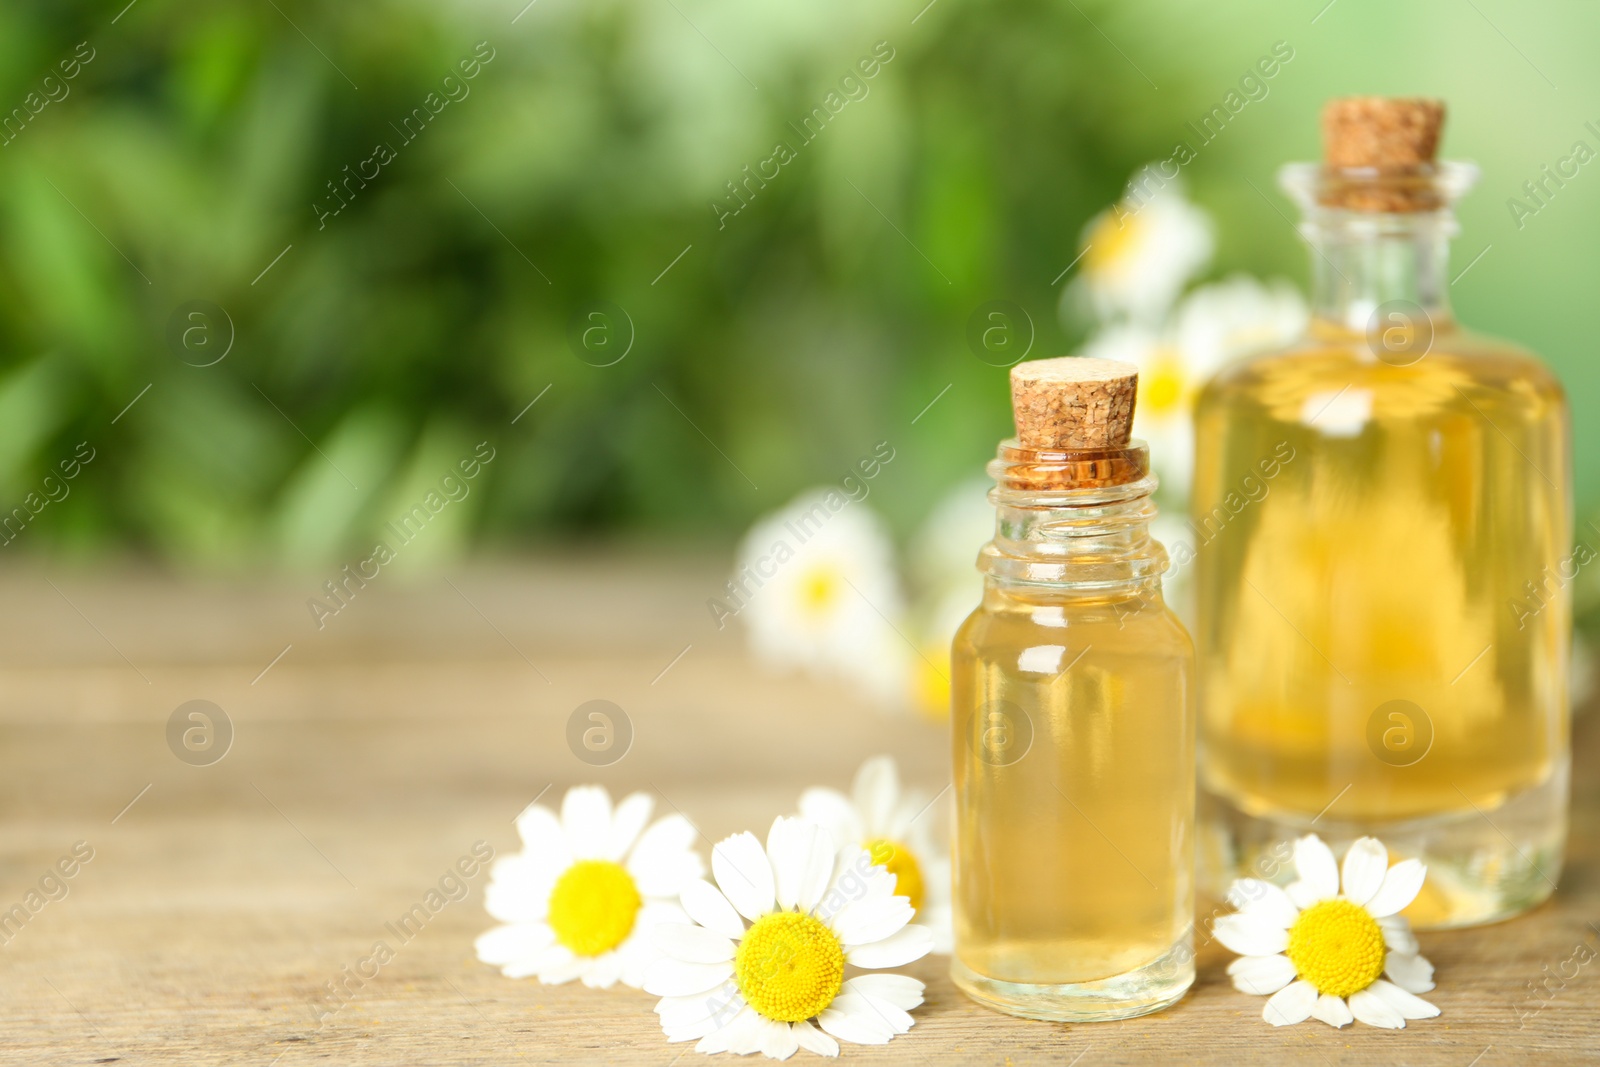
422, 719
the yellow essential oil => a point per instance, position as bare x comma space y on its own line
1383, 632
1073, 744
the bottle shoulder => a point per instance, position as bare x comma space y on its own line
1458, 366
1128, 624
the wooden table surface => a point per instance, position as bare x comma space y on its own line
376, 751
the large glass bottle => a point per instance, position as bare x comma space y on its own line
1073, 737
1382, 517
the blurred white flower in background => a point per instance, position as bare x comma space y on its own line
1213, 326
944, 570
1171, 528
817, 589
1139, 254
1236, 317
817, 583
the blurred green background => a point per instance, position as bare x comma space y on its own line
189, 160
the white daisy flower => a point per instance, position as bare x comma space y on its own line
1140, 253
581, 898
817, 587
895, 827
1323, 954
762, 966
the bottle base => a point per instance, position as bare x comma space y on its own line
1484, 865
1157, 985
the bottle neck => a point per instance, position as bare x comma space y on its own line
1380, 243
1074, 524
1361, 262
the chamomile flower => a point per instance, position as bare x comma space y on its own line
816, 587
1324, 954
762, 967
895, 827
581, 898
1140, 253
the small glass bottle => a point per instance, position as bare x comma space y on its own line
1382, 519
1073, 723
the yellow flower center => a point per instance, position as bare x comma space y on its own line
1110, 241
1337, 946
818, 590
592, 907
789, 966
1164, 386
898, 860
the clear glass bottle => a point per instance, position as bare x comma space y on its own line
1384, 623
1073, 747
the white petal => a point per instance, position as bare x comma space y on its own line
940, 918
860, 1026
1332, 1010
1409, 1006
638, 953
692, 944
1291, 1004
539, 963
897, 1019
1317, 867
741, 1036
1248, 935
504, 944
603, 971
688, 1018
867, 921
1364, 867
1397, 935
586, 821
817, 874
876, 793
668, 977
676, 1011
560, 965
1261, 975
663, 860
790, 844
744, 875
711, 909
1264, 901
1301, 893
897, 989
910, 943
529, 870
1375, 1011
626, 822
517, 900
1400, 887
541, 834
833, 811
1410, 972
903, 821
813, 1040
778, 1041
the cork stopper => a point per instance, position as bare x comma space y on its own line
1073, 403
1398, 137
